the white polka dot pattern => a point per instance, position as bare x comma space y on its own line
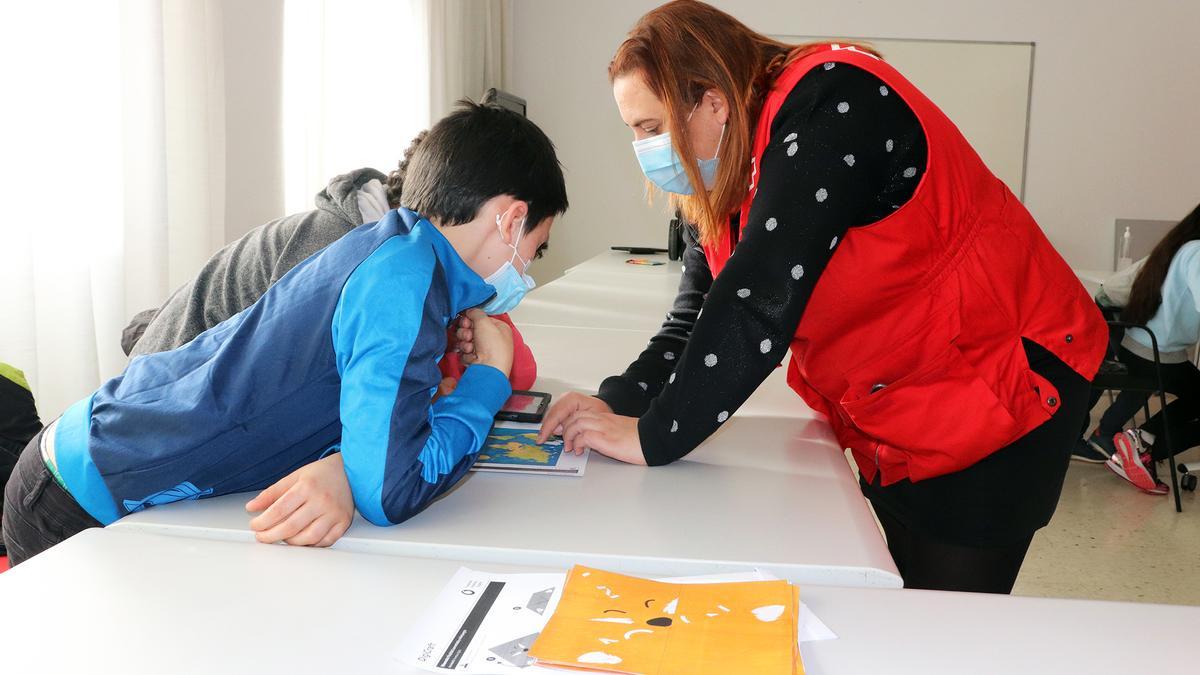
762, 288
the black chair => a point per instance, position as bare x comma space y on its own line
1114, 376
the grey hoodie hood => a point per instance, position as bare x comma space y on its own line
340, 198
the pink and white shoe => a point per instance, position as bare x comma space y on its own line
1127, 463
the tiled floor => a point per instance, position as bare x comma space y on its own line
1109, 541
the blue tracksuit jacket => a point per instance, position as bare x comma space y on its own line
343, 350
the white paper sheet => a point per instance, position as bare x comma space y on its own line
483, 623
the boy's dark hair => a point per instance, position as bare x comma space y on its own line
395, 179
479, 152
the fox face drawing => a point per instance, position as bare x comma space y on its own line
629, 625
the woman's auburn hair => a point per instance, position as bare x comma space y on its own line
683, 49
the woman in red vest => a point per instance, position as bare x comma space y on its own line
840, 213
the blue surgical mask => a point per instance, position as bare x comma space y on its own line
511, 285
664, 168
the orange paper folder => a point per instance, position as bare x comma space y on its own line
612, 623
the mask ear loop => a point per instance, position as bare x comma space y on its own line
520, 233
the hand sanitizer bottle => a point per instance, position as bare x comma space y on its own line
1124, 260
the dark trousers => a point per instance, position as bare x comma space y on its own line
38, 513
1179, 379
970, 530
934, 564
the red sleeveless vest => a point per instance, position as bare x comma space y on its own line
911, 342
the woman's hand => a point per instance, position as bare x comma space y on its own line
564, 409
606, 433
312, 506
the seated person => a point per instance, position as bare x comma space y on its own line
341, 354
1098, 447
1166, 298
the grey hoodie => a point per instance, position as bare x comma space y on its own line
237, 275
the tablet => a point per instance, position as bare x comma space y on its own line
525, 406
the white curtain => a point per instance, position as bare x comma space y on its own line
467, 50
113, 146
109, 148
362, 77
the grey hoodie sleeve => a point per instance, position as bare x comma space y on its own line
237, 275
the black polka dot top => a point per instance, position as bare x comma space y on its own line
844, 152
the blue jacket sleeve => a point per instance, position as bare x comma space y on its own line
400, 450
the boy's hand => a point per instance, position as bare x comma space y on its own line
491, 341
464, 340
312, 506
445, 388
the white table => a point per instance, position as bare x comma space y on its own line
904, 632
614, 262
604, 292
772, 489
121, 601
764, 492
593, 301
126, 602
572, 358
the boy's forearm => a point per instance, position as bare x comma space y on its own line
458, 425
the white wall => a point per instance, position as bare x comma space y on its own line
1113, 128
253, 52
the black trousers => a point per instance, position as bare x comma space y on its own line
38, 513
18, 423
935, 564
1180, 379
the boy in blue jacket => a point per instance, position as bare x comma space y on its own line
341, 354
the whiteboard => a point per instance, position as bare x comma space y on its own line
982, 86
